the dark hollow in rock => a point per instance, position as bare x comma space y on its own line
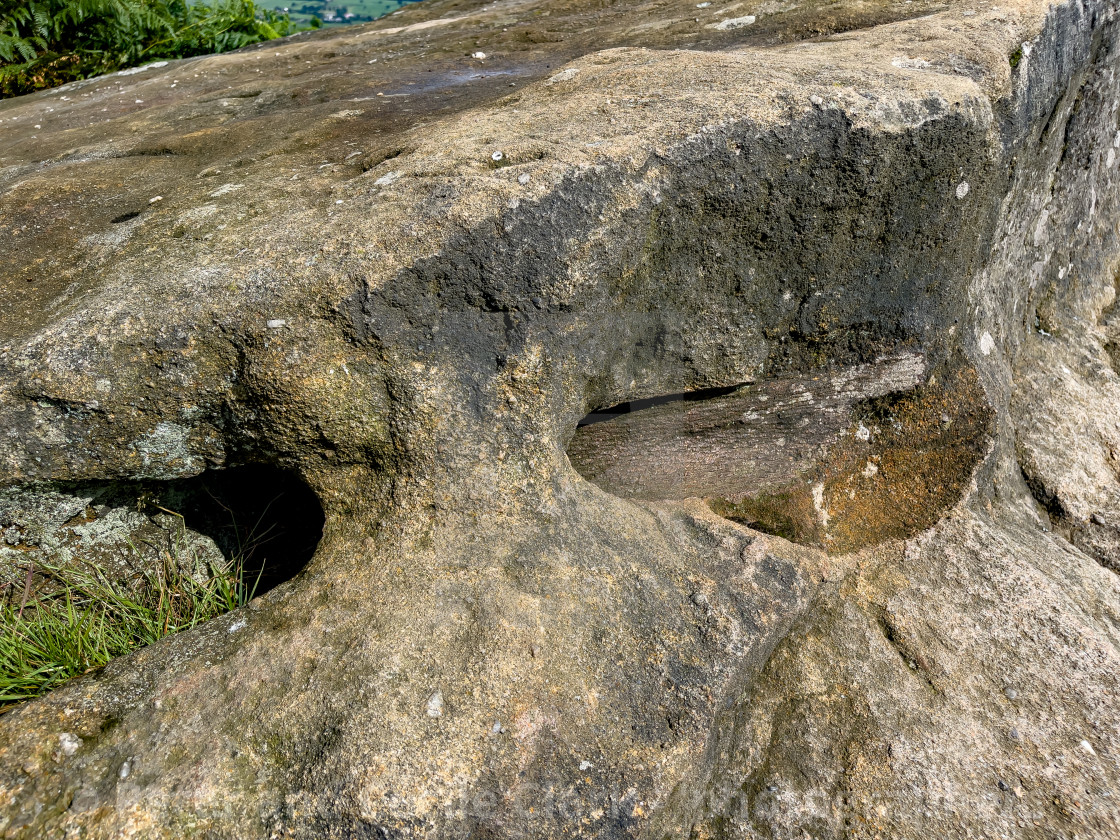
263, 518
266, 516
837, 458
631, 406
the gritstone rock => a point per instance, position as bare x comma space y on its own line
874, 246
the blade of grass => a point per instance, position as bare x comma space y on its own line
88, 618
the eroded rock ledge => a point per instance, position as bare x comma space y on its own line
406, 274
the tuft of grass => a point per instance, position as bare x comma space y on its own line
87, 619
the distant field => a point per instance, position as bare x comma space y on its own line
338, 14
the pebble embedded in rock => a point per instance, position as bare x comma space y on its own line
734, 23
69, 743
434, 708
987, 343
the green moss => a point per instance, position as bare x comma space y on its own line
1015, 57
783, 514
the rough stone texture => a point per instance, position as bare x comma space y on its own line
312, 255
52, 529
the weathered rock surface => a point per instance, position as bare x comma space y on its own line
58, 530
406, 274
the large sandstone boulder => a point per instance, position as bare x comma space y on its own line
860, 582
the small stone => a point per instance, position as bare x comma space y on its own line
496, 728
434, 707
734, 23
1015, 734
816, 100
479, 55
154, 199
699, 599
1004, 786
585, 765
497, 156
68, 743
275, 323
125, 770
1097, 519
1011, 694
564, 75
962, 189
1087, 748
523, 178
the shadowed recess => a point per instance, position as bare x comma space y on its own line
640, 405
91, 571
838, 458
266, 517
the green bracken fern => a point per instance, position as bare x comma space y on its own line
44, 43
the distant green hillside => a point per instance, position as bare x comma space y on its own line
340, 13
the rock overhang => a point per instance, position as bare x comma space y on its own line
562, 158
